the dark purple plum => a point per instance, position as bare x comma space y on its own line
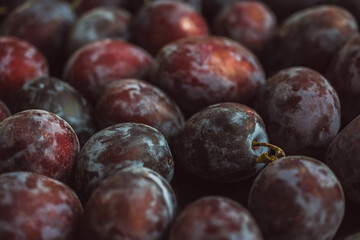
344, 75
117, 147
217, 143
45, 24
19, 62
215, 217
198, 72
133, 100
60, 98
297, 197
342, 158
98, 24
249, 22
36, 207
135, 5
309, 38
4, 111
136, 202
161, 22
301, 111
284, 9
38, 141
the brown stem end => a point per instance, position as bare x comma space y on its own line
265, 157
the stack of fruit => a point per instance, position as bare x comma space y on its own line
179, 120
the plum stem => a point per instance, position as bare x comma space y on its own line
4, 10
265, 157
75, 4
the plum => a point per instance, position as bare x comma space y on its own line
133, 100
4, 111
134, 203
38, 141
35, 207
19, 62
99, 63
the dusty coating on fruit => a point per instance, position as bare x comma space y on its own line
19, 63
134, 203
93, 66
342, 158
344, 75
4, 111
310, 38
159, 23
216, 143
215, 218
38, 141
297, 198
133, 100
117, 147
301, 111
97, 24
34, 207
250, 23
201, 71
60, 98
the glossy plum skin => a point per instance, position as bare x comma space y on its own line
250, 23
19, 63
60, 98
215, 218
134, 100
309, 38
216, 143
344, 75
136, 202
4, 111
36, 207
38, 141
301, 111
342, 158
45, 24
97, 64
161, 22
117, 147
198, 72
297, 197
98, 24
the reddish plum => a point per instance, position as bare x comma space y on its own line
310, 38
58, 97
161, 22
344, 75
93, 66
216, 143
134, 203
19, 63
117, 147
297, 197
133, 100
198, 72
38, 141
301, 111
4, 111
36, 207
45, 24
250, 23
98, 24
135, 5
215, 218
342, 158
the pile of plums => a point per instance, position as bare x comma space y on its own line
179, 119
